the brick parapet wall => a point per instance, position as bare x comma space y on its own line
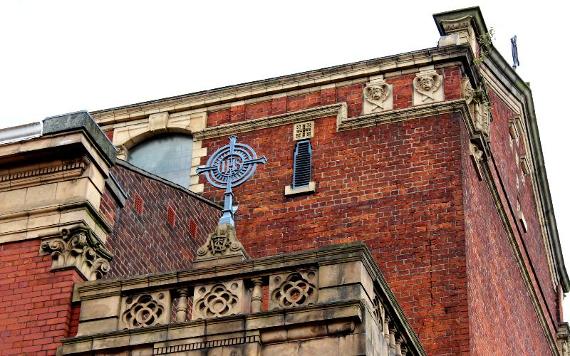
35, 303
159, 228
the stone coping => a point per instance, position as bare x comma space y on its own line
81, 121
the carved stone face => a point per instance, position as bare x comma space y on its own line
376, 92
426, 83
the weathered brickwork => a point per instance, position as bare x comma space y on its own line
518, 186
395, 186
161, 234
35, 303
502, 319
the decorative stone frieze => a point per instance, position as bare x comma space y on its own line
78, 248
428, 87
377, 97
53, 171
293, 289
221, 245
220, 299
144, 310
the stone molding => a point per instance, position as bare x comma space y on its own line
563, 339
338, 109
165, 350
42, 175
269, 87
78, 248
409, 113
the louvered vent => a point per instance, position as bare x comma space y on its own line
302, 164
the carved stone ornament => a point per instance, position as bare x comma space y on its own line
221, 243
293, 290
143, 310
481, 112
78, 248
377, 97
477, 156
217, 300
378, 311
468, 91
428, 87
122, 152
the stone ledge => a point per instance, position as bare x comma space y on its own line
310, 188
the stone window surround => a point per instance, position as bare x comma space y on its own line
187, 122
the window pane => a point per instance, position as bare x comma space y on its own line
169, 157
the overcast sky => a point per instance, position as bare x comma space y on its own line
62, 56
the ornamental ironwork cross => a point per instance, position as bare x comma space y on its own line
230, 166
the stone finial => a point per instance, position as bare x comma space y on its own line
78, 248
221, 247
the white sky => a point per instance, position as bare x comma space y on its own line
62, 56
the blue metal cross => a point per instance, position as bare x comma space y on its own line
229, 167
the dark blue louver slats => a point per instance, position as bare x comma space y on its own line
302, 164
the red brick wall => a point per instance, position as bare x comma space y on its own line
508, 170
395, 186
35, 303
502, 318
158, 229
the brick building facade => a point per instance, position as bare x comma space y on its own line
431, 158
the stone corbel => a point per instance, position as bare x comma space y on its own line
78, 248
479, 107
478, 157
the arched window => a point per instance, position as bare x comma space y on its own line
168, 156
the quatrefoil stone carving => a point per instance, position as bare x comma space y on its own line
293, 290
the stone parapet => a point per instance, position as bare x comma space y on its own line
333, 299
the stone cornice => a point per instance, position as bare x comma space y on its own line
42, 175
409, 113
282, 84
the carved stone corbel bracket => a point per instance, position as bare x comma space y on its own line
479, 107
79, 248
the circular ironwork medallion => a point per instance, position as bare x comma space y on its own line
233, 164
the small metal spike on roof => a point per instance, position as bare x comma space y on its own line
515, 52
